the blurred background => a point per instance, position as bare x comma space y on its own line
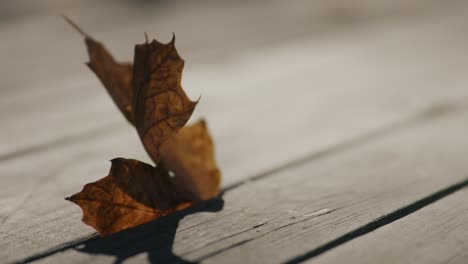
36, 40
332, 69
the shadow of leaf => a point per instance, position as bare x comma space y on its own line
156, 238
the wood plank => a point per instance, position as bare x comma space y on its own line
62, 99
34, 216
297, 209
376, 85
435, 234
376, 106
227, 26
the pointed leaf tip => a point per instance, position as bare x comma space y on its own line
75, 26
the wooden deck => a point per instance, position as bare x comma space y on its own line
340, 128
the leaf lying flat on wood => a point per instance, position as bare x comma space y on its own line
152, 99
160, 105
132, 194
135, 192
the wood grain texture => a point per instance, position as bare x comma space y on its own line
435, 234
385, 72
229, 27
396, 64
301, 208
303, 93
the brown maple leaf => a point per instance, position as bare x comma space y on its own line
150, 96
190, 156
132, 194
116, 77
160, 105
135, 192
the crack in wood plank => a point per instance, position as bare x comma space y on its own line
433, 112
380, 222
70, 139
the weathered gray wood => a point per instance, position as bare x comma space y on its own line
338, 87
375, 88
51, 92
435, 234
301, 208
39, 48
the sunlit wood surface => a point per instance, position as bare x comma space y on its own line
340, 128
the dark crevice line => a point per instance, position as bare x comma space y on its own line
380, 222
71, 139
54, 250
223, 249
432, 112
435, 111
217, 252
206, 221
387, 219
37, 148
220, 240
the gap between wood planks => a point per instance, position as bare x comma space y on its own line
385, 220
71, 139
430, 113
96, 132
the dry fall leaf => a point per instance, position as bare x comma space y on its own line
190, 156
116, 77
133, 193
150, 96
160, 105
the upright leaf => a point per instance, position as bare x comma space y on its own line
190, 156
115, 76
160, 105
152, 99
